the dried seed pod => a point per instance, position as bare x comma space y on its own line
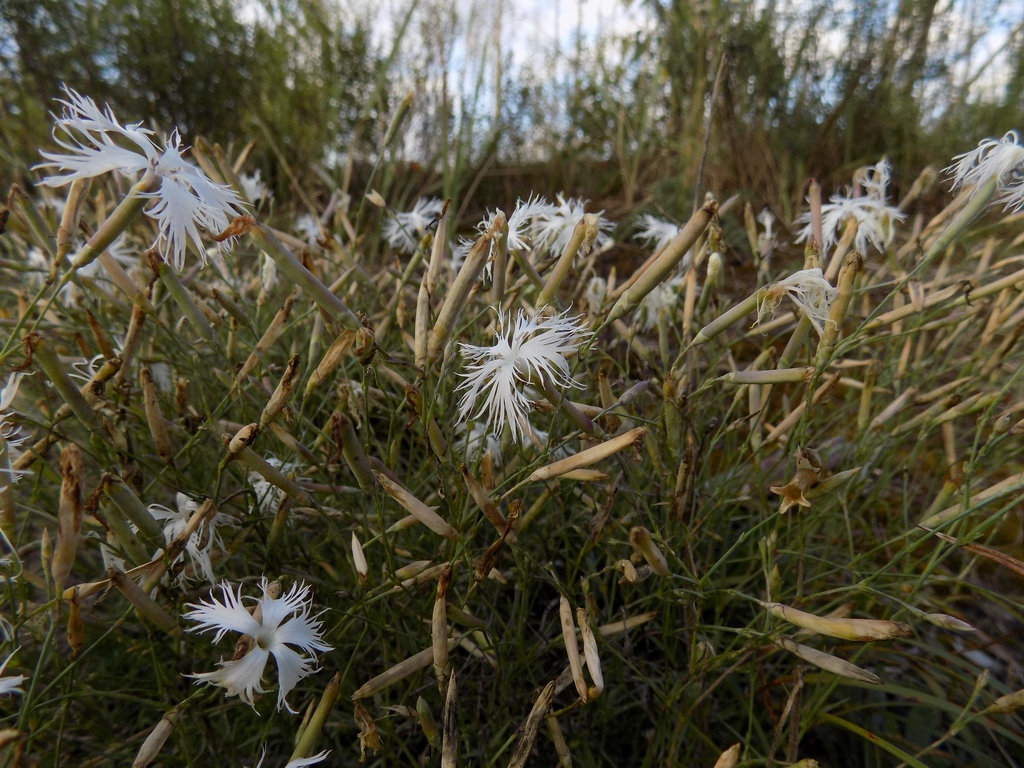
415, 507
154, 417
331, 359
483, 500
69, 515
729, 758
591, 455
827, 661
450, 727
439, 623
267, 340
862, 630
359, 559
642, 542
663, 265
155, 740
459, 291
528, 731
572, 650
76, 627
590, 655
285, 388
398, 672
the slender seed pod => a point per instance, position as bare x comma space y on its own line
459, 292
398, 672
283, 393
450, 726
267, 340
827, 661
424, 514
145, 606
154, 417
572, 650
662, 267
331, 359
69, 516
359, 560
591, 455
528, 731
642, 542
312, 729
154, 742
852, 265
439, 623
863, 630
586, 229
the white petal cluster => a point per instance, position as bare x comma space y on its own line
253, 186
476, 439
553, 228
523, 230
665, 296
268, 495
524, 223
405, 229
876, 220
808, 289
201, 543
11, 684
656, 232
531, 351
185, 200
1002, 159
595, 293
283, 622
9, 439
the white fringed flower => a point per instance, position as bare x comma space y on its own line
596, 293
523, 230
1002, 159
9, 438
533, 350
553, 228
268, 495
185, 200
11, 684
656, 232
404, 230
876, 220
522, 224
283, 622
473, 441
201, 543
253, 186
665, 296
808, 289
